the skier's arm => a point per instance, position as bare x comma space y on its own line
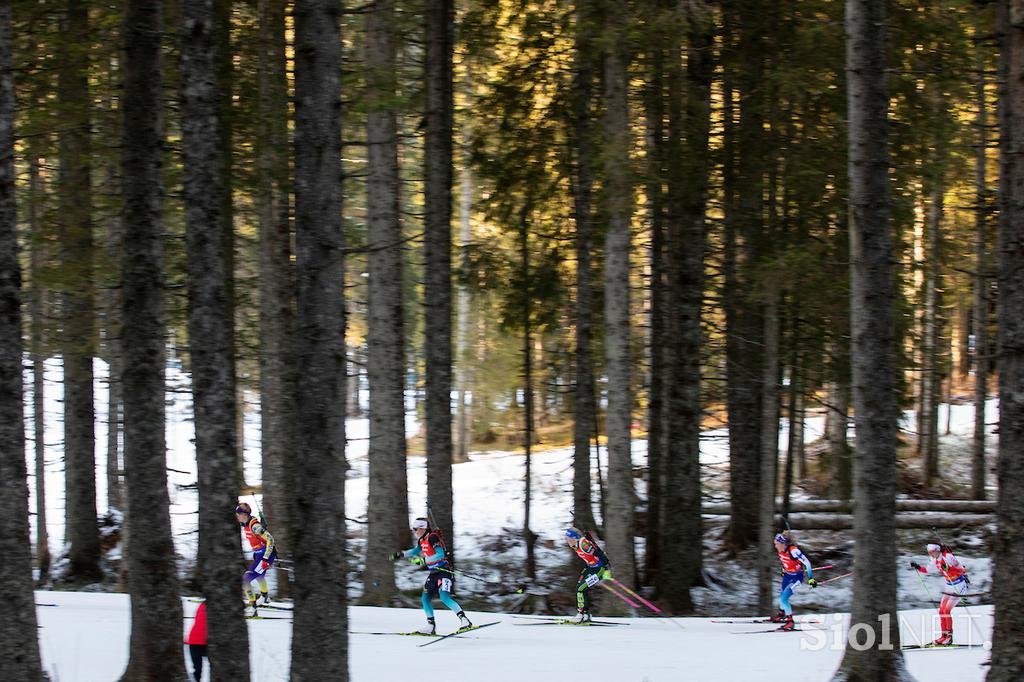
802, 558
259, 530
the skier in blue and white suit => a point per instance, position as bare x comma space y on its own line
429, 550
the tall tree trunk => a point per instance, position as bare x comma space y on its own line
37, 307
225, 80
841, 479
277, 281
743, 318
659, 340
688, 173
584, 423
388, 508
437, 237
319, 640
210, 339
769, 421
1008, 590
793, 413
928, 420
980, 320
155, 652
77, 301
874, 620
529, 538
463, 360
20, 661
619, 207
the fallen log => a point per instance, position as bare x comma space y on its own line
922, 520
845, 507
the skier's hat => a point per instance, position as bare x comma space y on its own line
781, 539
573, 533
420, 523
932, 547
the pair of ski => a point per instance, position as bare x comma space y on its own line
758, 621
552, 620
436, 638
927, 647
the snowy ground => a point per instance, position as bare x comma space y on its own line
488, 518
85, 639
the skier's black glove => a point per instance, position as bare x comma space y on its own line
916, 566
812, 582
395, 556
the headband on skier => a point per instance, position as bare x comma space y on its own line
573, 534
420, 523
243, 510
934, 548
781, 539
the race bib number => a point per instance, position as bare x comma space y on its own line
445, 585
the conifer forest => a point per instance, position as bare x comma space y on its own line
695, 296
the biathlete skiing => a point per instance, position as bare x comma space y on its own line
429, 550
263, 556
795, 565
957, 583
597, 569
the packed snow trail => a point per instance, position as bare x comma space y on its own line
85, 639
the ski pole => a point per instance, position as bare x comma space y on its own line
844, 575
636, 596
619, 594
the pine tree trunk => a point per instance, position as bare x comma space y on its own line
744, 323
77, 301
211, 335
929, 418
529, 538
979, 320
874, 620
37, 307
437, 237
618, 523
841, 480
688, 175
584, 424
388, 507
767, 559
277, 281
20, 661
659, 339
463, 360
319, 639
155, 652
1008, 582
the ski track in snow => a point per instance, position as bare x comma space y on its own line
85, 639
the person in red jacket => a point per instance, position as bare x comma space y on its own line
957, 582
196, 641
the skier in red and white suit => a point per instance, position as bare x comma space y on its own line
957, 583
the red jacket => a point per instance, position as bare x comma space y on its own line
197, 635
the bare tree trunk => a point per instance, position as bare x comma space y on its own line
388, 507
37, 307
980, 318
78, 345
767, 560
319, 640
211, 335
1008, 590
529, 537
277, 281
463, 360
584, 424
872, 651
659, 340
743, 317
155, 652
21, 661
619, 193
688, 174
437, 294
928, 419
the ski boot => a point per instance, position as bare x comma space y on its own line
264, 598
250, 609
463, 621
583, 618
779, 617
788, 624
429, 630
944, 640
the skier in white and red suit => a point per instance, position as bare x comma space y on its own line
957, 583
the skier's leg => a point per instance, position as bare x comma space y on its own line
197, 652
428, 608
946, 613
